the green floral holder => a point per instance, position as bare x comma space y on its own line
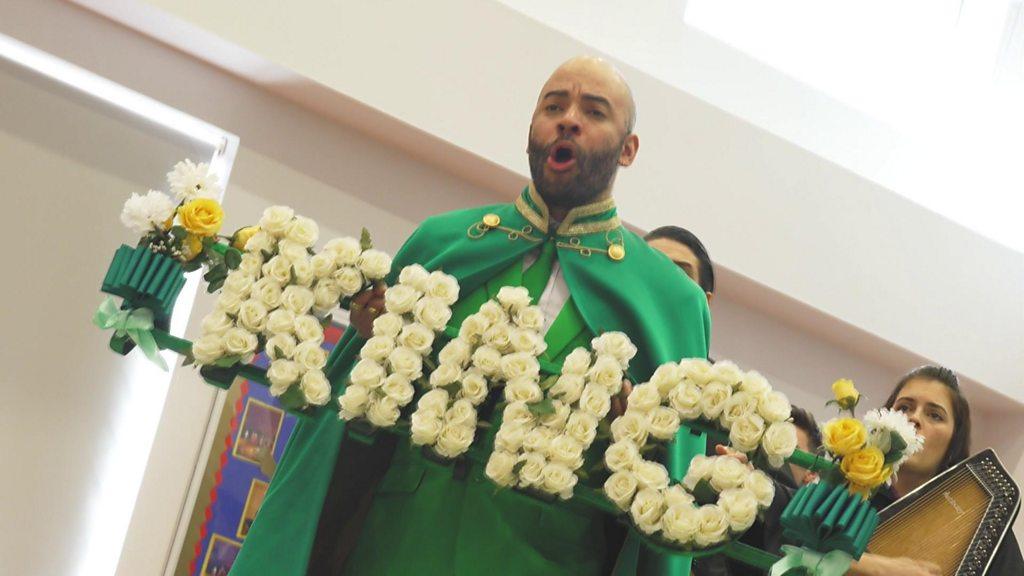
145, 280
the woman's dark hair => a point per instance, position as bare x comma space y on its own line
804, 420
706, 273
960, 444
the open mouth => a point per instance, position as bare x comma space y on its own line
562, 156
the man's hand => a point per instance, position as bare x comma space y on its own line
620, 400
365, 308
723, 450
873, 564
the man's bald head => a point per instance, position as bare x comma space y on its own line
605, 74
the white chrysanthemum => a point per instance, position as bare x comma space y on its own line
188, 180
880, 421
143, 213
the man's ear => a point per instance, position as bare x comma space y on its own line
629, 150
711, 296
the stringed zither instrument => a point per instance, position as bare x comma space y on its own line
956, 520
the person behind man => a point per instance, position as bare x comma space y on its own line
687, 252
384, 509
808, 439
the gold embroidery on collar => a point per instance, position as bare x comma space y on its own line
615, 251
569, 226
589, 227
478, 230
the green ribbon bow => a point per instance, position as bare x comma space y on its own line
799, 560
137, 324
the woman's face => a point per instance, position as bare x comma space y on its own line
928, 404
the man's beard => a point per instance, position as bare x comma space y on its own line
594, 173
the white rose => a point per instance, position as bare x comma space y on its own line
622, 455
374, 264
315, 387
523, 390
279, 269
499, 468
398, 388
779, 442
455, 352
644, 398
666, 378
406, 362
208, 348
558, 479
434, 402
251, 263
492, 313
700, 469
280, 346
499, 337
443, 287
349, 280
282, 374
517, 414
414, 276
474, 387
685, 398
606, 373
714, 526
310, 356
616, 345
307, 328
297, 299
566, 450
577, 362
532, 471
513, 298
400, 299
292, 251
383, 412
519, 365
631, 426
774, 407
651, 475
727, 472
756, 384
259, 243
416, 337
268, 291
353, 402
304, 275
680, 523
238, 283
582, 427
727, 373
527, 342
217, 322
696, 370
240, 342
530, 318
595, 400
280, 321
713, 399
556, 420
377, 348
568, 387
620, 488
473, 328
538, 440
388, 325
761, 486
746, 433
663, 422
252, 315
346, 251
738, 405
323, 265
454, 440
646, 510
444, 375
276, 219
432, 313
510, 437
462, 413
740, 507
229, 302
303, 230
424, 428
676, 495
487, 360
367, 373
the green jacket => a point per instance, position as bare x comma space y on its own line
617, 283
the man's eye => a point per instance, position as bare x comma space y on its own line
553, 108
597, 113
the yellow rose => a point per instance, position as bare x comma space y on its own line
191, 247
844, 435
241, 238
865, 470
202, 216
846, 394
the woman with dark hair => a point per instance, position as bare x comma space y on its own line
930, 396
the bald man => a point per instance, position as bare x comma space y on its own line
347, 503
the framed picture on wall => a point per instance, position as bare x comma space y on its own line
220, 556
257, 490
257, 436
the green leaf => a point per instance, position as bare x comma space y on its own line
208, 241
214, 286
452, 388
365, 242
232, 258
548, 382
542, 408
893, 456
192, 265
178, 232
703, 493
227, 361
896, 443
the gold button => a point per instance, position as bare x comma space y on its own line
491, 220
616, 252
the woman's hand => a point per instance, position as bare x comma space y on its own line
365, 308
875, 565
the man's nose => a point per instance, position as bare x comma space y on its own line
569, 123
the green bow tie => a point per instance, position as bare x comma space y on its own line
137, 324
